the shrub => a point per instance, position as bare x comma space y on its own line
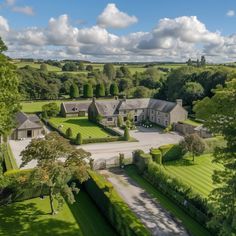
141, 160
113, 207
119, 121
69, 133
51, 109
78, 139
156, 155
126, 134
171, 152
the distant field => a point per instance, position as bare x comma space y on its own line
31, 217
197, 175
36, 65
80, 125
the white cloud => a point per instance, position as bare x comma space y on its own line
10, 2
230, 13
3, 24
27, 10
112, 17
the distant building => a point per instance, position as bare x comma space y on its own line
27, 126
157, 111
74, 108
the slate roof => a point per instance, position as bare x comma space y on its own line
24, 121
75, 107
110, 108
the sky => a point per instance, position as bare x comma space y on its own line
122, 30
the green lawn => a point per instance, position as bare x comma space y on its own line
80, 125
197, 175
189, 223
191, 122
32, 218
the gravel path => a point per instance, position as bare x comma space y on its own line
156, 219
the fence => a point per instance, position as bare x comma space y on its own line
112, 162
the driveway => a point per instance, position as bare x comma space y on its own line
147, 138
149, 211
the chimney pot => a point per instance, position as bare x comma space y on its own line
180, 102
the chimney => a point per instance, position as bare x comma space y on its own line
180, 102
93, 99
116, 97
124, 98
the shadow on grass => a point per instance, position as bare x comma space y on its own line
181, 162
26, 219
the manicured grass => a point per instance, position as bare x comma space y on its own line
197, 174
189, 223
80, 125
10, 160
192, 122
32, 218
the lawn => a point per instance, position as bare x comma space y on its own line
197, 175
80, 125
189, 223
32, 218
191, 122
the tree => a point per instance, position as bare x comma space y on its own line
193, 144
51, 109
81, 66
79, 140
69, 133
9, 95
89, 68
140, 92
100, 90
198, 63
192, 91
74, 91
126, 72
69, 66
114, 90
220, 118
119, 121
88, 91
189, 62
109, 71
203, 61
43, 67
57, 163
126, 134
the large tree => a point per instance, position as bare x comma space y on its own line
109, 71
88, 90
74, 91
100, 90
57, 163
114, 90
219, 112
9, 95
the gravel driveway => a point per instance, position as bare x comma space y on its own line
150, 212
147, 138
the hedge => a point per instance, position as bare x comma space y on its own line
113, 207
8, 157
141, 160
171, 152
156, 155
181, 194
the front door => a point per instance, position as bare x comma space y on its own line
29, 133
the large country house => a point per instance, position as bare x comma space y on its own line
74, 108
157, 111
27, 126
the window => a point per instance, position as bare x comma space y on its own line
135, 119
166, 122
109, 119
152, 111
125, 118
29, 133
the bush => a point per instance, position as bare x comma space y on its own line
126, 134
69, 133
78, 139
51, 109
141, 160
156, 155
171, 152
113, 207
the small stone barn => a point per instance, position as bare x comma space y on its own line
27, 126
74, 109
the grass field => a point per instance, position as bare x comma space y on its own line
191, 122
80, 125
197, 175
32, 218
189, 223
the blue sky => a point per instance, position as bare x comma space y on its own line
214, 40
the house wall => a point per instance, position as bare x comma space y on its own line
21, 134
63, 112
157, 117
92, 111
178, 114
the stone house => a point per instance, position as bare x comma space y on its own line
27, 126
69, 109
157, 111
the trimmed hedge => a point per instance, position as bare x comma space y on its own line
192, 203
8, 157
156, 155
171, 152
113, 207
102, 140
109, 130
141, 160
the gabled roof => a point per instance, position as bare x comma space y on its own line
109, 108
27, 122
75, 107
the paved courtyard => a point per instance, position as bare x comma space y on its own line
147, 138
